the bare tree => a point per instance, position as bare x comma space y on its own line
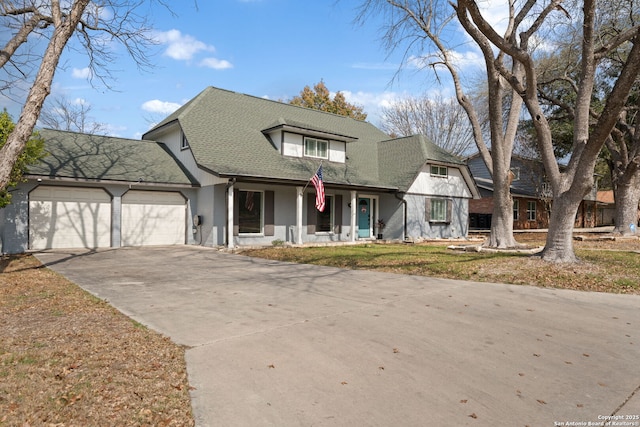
427, 26
62, 114
570, 185
96, 24
558, 74
443, 121
624, 149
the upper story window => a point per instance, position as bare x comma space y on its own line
439, 171
316, 148
184, 144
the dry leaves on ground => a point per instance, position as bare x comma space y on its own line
69, 359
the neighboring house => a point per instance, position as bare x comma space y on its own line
532, 196
228, 169
606, 207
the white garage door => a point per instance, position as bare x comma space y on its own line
67, 217
153, 218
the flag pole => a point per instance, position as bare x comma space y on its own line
309, 180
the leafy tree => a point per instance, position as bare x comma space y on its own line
319, 98
617, 165
33, 152
510, 49
558, 84
571, 184
424, 29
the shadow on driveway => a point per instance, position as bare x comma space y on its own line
272, 343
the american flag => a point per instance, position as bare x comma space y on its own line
249, 204
317, 183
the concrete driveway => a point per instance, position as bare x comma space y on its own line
272, 343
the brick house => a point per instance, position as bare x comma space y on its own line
532, 198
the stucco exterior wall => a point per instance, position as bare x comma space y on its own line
284, 215
392, 214
418, 227
293, 145
14, 225
453, 185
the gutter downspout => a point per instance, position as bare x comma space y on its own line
404, 214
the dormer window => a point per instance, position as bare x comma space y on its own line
184, 144
314, 147
440, 171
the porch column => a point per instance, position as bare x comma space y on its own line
116, 221
230, 189
299, 198
354, 210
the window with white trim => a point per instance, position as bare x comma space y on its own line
438, 210
531, 211
516, 209
250, 212
184, 143
440, 171
318, 148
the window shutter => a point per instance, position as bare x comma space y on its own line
427, 209
236, 212
337, 214
269, 226
449, 209
311, 213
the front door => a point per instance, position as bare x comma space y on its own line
364, 217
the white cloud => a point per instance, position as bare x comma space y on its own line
157, 106
372, 103
216, 64
81, 73
181, 47
369, 99
470, 58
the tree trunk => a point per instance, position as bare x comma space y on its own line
501, 235
559, 245
627, 196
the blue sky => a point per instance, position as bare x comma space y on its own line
265, 48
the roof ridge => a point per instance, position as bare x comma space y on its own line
262, 98
94, 135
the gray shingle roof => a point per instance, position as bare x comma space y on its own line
401, 159
82, 156
225, 131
